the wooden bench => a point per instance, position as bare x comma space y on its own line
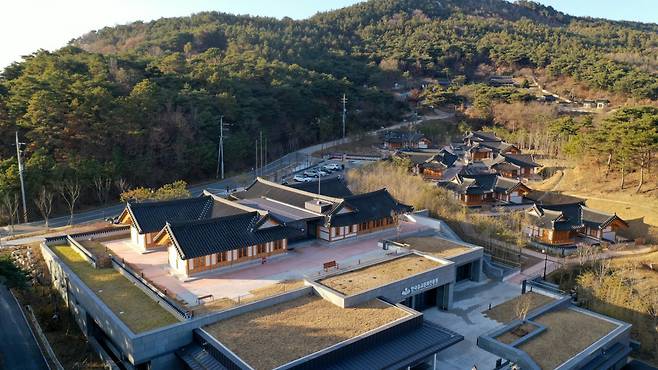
330, 264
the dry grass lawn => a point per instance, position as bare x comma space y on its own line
641, 210
281, 333
256, 295
436, 246
95, 247
137, 310
567, 333
506, 311
376, 275
516, 333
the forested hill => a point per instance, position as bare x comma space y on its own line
142, 101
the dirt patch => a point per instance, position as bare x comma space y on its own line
379, 274
506, 311
276, 335
568, 332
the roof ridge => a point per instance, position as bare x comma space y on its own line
166, 201
211, 220
231, 203
298, 191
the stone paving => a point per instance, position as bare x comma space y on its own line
306, 259
466, 318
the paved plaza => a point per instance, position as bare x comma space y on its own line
306, 259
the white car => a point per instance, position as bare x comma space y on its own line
333, 167
300, 178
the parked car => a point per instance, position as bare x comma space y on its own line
300, 178
332, 167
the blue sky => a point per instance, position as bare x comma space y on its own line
28, 25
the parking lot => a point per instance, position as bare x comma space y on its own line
324, 170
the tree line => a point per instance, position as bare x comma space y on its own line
139, 104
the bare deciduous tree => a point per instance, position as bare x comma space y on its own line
44, 202
121, 185
10, 207
102, 186
70, 192
523, 304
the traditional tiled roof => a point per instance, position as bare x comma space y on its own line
475, 168
499, 146
483, 136
261, 188
201, 238
481, 184
569, 217
521, 160
369, 206
150, 217
334, 187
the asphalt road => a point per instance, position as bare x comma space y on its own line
18, 348
285, 165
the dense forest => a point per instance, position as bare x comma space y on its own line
139, 104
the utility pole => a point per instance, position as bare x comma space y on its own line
256, 168
220, 150
344, 101
261, 152
20, 174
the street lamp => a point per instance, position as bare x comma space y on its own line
545, 261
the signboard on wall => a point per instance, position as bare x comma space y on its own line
419, 287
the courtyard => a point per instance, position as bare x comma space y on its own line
241, 281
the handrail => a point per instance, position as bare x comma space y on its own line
185, 314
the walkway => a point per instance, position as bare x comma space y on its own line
467, 319
18, 348
232, 282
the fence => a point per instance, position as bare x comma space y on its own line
150, 289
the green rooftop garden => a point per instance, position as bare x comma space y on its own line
137, 310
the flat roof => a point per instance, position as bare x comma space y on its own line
280, 210
568, 332
129, 303
379, 274
435, 245
276, 335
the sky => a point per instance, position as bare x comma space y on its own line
29, 25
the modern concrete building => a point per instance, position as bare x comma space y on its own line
560, 336
357, 318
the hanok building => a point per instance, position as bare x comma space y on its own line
514, 165
334, 218
430, 165
484, 189
480, 136
147, 219
568, 224
489, 150
204, 245
397, 139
